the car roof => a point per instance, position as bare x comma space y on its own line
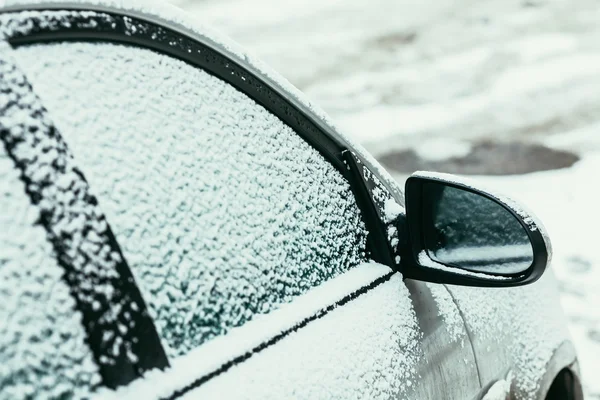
184, 23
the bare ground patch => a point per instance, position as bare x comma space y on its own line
486, 158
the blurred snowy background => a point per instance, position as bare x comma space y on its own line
506, 90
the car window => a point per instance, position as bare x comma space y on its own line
221, 210
43, 351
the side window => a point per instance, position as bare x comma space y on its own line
222, 211
42, 342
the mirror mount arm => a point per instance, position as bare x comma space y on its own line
409, 267
403, 248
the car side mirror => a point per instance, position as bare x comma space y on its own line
460, 234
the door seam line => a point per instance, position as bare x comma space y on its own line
469, 334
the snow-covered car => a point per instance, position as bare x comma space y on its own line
177, 221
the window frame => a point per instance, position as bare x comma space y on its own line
179, 42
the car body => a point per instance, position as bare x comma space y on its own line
204, 231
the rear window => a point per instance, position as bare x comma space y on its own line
222, 211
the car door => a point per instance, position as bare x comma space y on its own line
229, 207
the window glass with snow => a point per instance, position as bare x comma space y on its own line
222, 211
43, 353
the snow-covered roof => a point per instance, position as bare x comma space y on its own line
177, 19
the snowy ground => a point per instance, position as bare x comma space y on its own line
433, 85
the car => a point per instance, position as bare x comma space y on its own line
178, 221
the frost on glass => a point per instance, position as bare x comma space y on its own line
222, 211
42, 341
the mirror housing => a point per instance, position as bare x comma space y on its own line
465, 226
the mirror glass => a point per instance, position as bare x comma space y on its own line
470, 231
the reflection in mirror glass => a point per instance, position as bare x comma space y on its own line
470, 231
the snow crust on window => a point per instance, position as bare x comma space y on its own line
523, 325
216, 353
163, 12
221, 210
42, 341
375, 337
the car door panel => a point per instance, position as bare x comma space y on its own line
364, 334
367, 348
